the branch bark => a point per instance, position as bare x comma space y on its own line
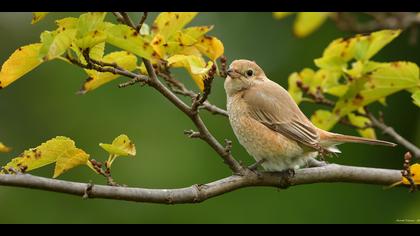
197, 193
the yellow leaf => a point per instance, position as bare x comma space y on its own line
195, 65
54, 44
195, 32
130, 40
293, 89
415, 174
4, 148
363, 47
96, 79
121, 146
89, 22
322, 119
167, 23
60, 149
71, 158
281, 15
19, 63
362, 122
67, 23
38, 16
91, 39
308, 22
212, 47
416, 97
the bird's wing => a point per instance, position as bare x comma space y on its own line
271, 104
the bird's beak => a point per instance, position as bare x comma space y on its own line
233, 74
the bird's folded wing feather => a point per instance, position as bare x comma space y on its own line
275, 108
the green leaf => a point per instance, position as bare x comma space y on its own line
38, 16
96, 79
19, 63
124, 37
308, 22
195, 65
60, 149
55, 43
416, 97
167, 23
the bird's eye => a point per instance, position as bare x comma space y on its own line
249, 73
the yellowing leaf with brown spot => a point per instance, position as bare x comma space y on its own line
308, 22
195, 65
61, 149
124, 37
19, 63
38, 16
4, 148
363, 47
167, 23
415, 174
96, 79
212, 47
159, 45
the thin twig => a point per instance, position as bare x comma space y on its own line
142, 20
393, 134
127, 20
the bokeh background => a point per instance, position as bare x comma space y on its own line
43, 105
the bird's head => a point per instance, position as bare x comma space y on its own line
242, 74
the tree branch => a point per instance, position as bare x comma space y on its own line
197, 193
392, 133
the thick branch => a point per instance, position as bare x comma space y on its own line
198, 193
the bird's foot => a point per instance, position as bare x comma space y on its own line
286, 178
257, 164
315, 163
254, 167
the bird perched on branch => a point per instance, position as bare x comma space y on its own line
269, 124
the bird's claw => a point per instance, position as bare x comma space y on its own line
286, 178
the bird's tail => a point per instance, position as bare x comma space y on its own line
334, 138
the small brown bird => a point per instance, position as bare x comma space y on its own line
269, 124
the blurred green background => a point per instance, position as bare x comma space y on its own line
43, 105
